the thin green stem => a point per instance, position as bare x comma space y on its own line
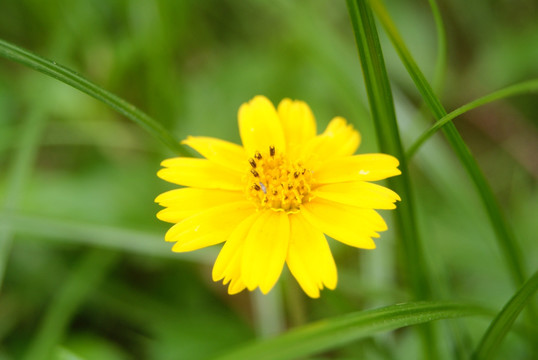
504, 235
69, 77
295, 302
517, 89
268, 311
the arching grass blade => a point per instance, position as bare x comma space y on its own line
69, 77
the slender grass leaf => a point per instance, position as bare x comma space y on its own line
105, 237
502, 323
69, 77
17, 175
382, 107
384, 116
506, 240
440, 64
441, 57
517, 89
332, 333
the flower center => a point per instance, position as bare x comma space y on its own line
274, 182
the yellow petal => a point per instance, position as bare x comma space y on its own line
338, 140
342, 138
348, 224
359, 193
236, 286
208, 228
265, 250
298, 123
228, 263
185, 202
366, 167
309, 257
221, 152
259, 126
200, 173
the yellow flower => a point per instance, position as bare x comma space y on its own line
272, 200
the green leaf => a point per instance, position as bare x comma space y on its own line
332, 333
506, 240
69, 77
517, 89
502, 323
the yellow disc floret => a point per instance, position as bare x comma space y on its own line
274, 182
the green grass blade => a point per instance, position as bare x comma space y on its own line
384, 116
17, 175
440, 65
506, 240
441, 57
104, 237
382, 107
420, 80
516, 89
69, 77
502, 323
84, 278
332, 333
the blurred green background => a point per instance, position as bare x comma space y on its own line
87, 265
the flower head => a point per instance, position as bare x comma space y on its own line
272, 200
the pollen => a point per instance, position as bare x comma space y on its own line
274, 182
